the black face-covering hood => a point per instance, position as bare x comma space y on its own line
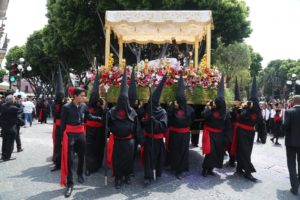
253, 96
59, 90
220, 100
132, 93
123, 101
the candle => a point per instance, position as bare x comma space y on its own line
191, 66
146, 69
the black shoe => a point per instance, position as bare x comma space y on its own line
195, 145
80, 179
231, 163
87, 172
118, 184
250, 177
277, 143
272, 139
178, 176
55, 168
8, 159
210, 172
294, 192
127, 180
258, 141
204, 172
19, 150
68, 191
239, 171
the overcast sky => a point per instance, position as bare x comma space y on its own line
275, 24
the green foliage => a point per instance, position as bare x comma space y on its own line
14, 54
256, 60
2, 72
272, 80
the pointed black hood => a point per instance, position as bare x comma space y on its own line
253, 91
220, 99
59, 90
94, 98
132, 89
123, 101
180, 96
237, 96
157, 93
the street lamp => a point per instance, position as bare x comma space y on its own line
293, 81
21, 68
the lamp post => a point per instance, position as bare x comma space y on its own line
22, 67
293, 81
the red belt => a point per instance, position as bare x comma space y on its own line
110, 146
57, 123
180, 130
64, 156
234, 139
155, 136
175, 130
206, 138
94, 124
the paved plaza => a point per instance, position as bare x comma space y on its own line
29, 177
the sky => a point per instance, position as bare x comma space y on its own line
275, 25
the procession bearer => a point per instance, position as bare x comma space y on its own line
216, 133
180, 117
57, 134
95, 130
125, 129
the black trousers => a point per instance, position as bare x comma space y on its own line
8, 139
195, 137
293, 156
18, 138
76, 145
57, 147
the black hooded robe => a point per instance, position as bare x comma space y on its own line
57, 134
245, 139
95, 138
154, 154
124, 131
218, 120
179, 138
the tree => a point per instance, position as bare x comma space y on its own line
80, 24
244, 79
14, 54
233, 58
256, 60
273, 78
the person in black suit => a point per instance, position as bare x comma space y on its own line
292, 142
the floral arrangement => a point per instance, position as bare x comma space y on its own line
201, 81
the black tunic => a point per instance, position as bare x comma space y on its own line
123, 150
179, 142
154, 149
245, 139
216, 119
57, 133
95, 139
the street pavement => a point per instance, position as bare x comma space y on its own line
29, 177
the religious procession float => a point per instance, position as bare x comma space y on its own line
161, 27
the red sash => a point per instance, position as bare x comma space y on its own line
93, 124
64, 153
234, 139
110, 147
41, 114
175, 130
57, 123
150, 135
277, 118
206, 138
155, 136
